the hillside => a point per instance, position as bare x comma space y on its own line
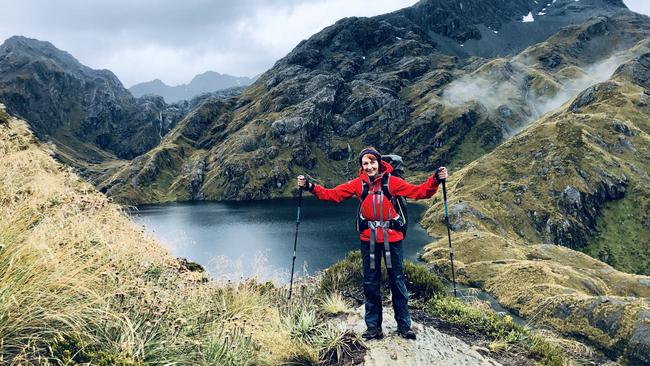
380, 81
80, 284
87, 113
577, 177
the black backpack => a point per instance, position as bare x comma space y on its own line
399, 203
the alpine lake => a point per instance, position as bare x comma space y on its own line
235, 241
238, 240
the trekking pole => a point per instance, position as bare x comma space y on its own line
451, 251
295, 241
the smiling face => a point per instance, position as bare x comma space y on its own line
370, 165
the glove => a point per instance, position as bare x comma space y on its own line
309, 186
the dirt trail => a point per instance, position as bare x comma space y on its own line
430, 348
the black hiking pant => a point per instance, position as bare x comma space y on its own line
372, 285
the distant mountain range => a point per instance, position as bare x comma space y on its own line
207, 82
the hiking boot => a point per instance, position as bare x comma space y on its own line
406, 333
373, 333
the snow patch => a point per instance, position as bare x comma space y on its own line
541, 13
528, 18
399, 39
496, 32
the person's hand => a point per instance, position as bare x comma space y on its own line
303, 183
441, 174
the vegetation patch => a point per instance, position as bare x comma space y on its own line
504, 334
622, 235
346, 276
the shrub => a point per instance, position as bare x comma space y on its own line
422, 283
503, 331
346, 276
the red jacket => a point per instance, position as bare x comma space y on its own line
396, 187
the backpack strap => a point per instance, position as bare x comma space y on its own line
364, 190
385, 186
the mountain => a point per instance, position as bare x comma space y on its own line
209, 81
578, 178
84, 111
388, 81
93, 122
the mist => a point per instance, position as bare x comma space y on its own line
511, 84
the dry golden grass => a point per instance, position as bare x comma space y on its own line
80, 283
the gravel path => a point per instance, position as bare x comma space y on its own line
430, 348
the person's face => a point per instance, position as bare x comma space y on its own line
371, 167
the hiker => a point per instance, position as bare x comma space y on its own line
380, 236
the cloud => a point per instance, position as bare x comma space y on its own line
511, 84
175, 40
638, 6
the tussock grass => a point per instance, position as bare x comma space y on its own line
80, 284
334, 303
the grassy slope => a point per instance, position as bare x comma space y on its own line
495, 203
80, 283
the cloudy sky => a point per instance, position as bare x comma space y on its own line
175, 40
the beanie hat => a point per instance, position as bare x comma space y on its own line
371, 151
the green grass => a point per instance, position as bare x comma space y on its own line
4, 117
503, 332
621, 239
347, 276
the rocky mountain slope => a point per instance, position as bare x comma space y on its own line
381, 81
209, 81
84, 111
92, 121
577, 177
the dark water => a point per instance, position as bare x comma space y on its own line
234, 240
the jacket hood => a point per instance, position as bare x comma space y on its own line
384, 168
